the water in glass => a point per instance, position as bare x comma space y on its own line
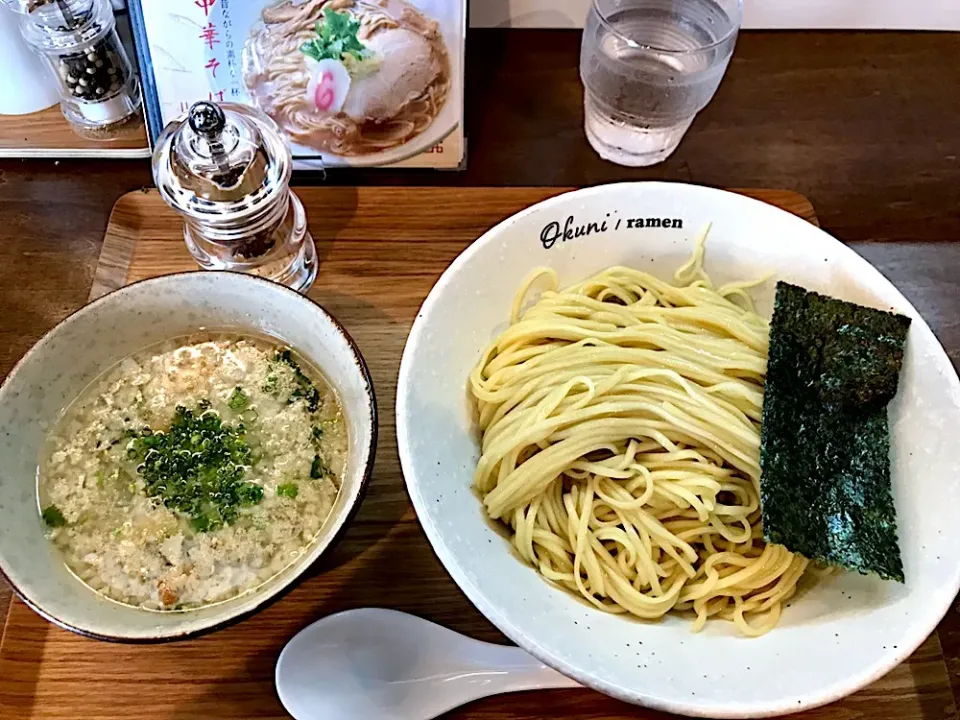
648, 67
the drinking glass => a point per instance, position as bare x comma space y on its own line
648, 67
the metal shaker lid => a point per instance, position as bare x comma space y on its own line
56, 13
222, 163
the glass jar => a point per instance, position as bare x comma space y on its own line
99, 90
226, 168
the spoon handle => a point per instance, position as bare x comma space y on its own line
511, 669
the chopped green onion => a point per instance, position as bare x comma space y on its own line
238, 399
289, 490
53, 517
270, 386
196, 467
305, 389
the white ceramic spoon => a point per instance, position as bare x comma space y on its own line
381, 664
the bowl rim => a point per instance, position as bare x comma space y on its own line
346, 517
919, 630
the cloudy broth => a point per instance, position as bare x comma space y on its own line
193, 471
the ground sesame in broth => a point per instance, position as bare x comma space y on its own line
193, 471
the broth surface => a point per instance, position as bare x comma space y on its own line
193, 471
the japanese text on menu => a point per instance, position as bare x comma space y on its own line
220, 53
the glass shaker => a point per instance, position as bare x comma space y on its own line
99, 90
226, 168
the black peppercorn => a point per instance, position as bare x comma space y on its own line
95, 73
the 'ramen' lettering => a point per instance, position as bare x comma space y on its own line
674, 223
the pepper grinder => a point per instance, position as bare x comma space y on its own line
99, 90
226, 168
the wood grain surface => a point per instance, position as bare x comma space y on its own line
47, 134
863, 123
381, 250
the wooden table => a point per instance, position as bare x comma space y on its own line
864, 124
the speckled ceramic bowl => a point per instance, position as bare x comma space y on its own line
71, 355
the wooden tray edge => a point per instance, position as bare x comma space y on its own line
46, 134
76, 153
118, 247
119, 243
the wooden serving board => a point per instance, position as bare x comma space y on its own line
381, 251
46, 134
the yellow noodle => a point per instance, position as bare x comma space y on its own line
620, 427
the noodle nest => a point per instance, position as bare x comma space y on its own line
620, 425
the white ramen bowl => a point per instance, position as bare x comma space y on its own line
88, 342
836, 637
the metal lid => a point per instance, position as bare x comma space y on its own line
62, 26
55, 13
223, 165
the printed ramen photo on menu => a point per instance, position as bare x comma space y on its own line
349, 82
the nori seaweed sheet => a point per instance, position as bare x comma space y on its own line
824, 454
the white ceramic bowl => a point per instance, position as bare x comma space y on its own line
67, 358
839, 636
